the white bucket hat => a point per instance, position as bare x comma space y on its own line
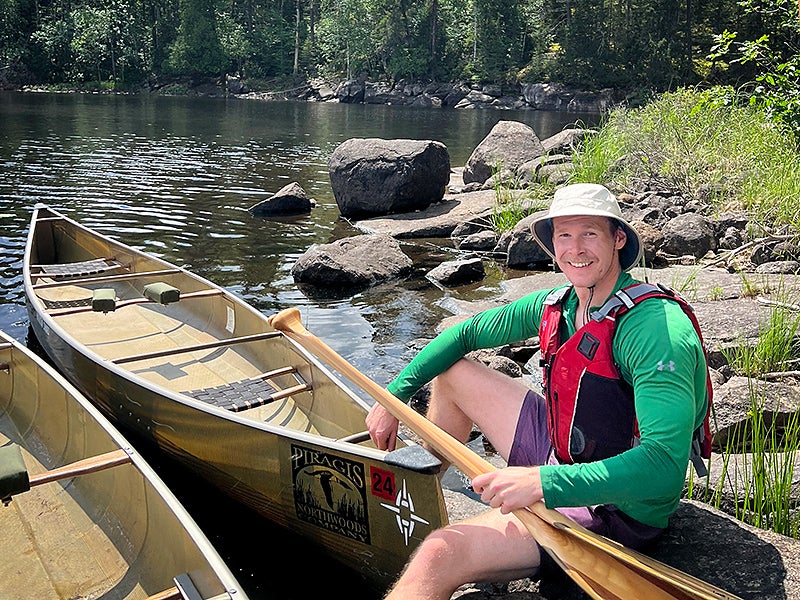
587, 199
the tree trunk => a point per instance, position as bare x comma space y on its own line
296, 37
434, 18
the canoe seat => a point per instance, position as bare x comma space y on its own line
74, 303
79, 269
13, 473
237, 396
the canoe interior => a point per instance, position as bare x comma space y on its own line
109, 534
152, 340
285, 436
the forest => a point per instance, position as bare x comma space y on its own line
626, 44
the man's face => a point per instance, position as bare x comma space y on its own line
586, 249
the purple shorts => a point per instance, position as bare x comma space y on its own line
532, 447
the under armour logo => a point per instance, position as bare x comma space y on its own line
670, 365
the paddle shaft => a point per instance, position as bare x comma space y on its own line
599, 571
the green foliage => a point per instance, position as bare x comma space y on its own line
197, 49
514, 202
701, 143
757, 487
233, 40
51, 50
652, 44
776, 348
774, 55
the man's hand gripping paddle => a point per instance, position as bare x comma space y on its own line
603, 568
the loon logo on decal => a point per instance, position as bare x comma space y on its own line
330, 492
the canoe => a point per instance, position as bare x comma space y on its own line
84, 516
192, 368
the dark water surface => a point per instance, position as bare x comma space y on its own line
174, 177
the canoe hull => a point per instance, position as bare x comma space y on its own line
367, 508
117, 533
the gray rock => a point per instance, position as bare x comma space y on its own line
458, 272
689, 233
291, 199
378, 177
508, 145
779, 266
523, 250
353, 262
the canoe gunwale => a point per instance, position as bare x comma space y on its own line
124, 456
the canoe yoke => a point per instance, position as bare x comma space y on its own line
105, 299
161, 292
13, 473
250, 393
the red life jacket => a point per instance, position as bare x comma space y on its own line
590, 407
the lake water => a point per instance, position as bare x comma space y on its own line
174, 177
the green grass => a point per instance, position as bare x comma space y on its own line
703, 144
512, 203
757, 489
776, 348
754, 481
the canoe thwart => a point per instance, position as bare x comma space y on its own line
355, 438
104, 300
106, 278
85, 306
172, 593
78, 269
195, 347
187, 588
13, 473
14, 477
162, 293
184, 589
84, 466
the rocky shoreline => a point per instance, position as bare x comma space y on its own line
733, 281
460, 95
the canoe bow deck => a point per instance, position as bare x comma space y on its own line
110, 530
199, 372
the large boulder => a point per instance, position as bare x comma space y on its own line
373, 176
508, 145
355, 262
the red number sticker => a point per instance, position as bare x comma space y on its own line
382, 483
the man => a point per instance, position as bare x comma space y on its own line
610, 444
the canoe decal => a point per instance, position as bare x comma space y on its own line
403, 508
330, 492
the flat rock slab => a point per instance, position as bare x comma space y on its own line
438, 220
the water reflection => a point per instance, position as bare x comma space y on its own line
175, 177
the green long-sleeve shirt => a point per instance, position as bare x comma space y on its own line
657, 352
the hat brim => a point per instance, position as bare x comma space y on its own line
629, 255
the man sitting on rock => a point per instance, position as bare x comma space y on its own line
625, 400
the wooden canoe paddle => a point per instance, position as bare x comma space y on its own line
604, 569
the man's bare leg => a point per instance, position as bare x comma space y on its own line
469, 392
489, 547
